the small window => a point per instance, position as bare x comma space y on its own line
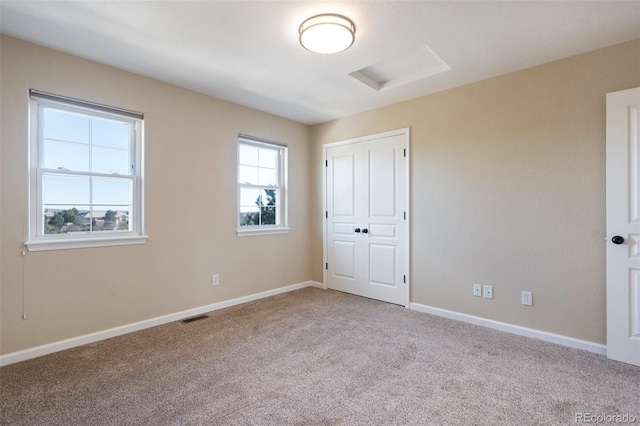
261, 187
85, 174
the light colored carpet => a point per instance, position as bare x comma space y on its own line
316, 357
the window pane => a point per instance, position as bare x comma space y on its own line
249, 216
64, 219
248, 174
72, 156
65, 126
248, 155
269, 215
67, 190
109, 133
250, 197
268, 177
111, 191
110, 218
270, 197
268, 158
107, 160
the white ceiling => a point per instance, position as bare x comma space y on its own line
247, 52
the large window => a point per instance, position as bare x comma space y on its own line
261, 186
85, 174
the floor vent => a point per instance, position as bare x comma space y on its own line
196, 318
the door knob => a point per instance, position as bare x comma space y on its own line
617, 240
365, 230
357, 230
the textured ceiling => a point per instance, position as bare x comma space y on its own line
248, 52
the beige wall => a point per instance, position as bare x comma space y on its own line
507, 178
190, 196
507, 189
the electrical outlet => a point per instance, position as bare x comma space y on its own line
488, 291
527, 298
477, 290
216, 279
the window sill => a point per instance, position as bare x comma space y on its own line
262, 231
76, 243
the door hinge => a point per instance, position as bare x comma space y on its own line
326, 215
326, 265
404, 279
405, 152
326, 163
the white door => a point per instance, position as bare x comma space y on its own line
623, 226
366, 242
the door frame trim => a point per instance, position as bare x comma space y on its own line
407, 262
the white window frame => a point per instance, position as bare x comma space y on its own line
281, 228
37, 240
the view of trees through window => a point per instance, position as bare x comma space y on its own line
62, 221
265, 213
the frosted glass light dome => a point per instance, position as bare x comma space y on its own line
327, 33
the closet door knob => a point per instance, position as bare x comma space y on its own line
615, 240
365, 230
357, 230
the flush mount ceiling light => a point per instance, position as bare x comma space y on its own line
327, 33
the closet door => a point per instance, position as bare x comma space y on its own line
366, 192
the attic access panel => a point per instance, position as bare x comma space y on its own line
411, 66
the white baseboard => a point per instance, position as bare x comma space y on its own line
316, 284
73, 342
514, 329
23, 355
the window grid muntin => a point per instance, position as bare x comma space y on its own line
277, 205
132, 125
278, 166
90, 204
